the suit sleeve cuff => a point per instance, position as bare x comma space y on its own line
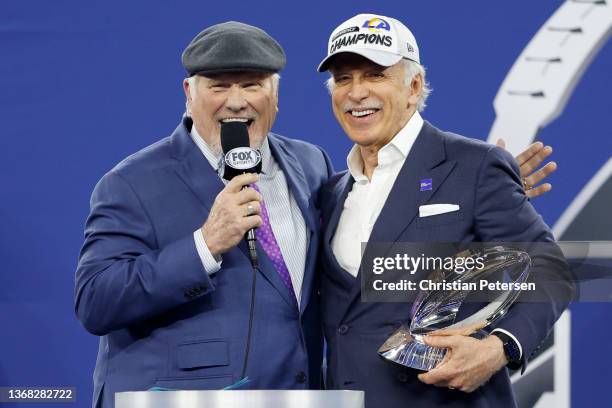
518, 343
209, 262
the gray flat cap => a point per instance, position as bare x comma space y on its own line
232, 47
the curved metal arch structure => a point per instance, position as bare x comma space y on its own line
534, 93
545, 74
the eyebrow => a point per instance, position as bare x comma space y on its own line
224, 81
218, 82
369, 68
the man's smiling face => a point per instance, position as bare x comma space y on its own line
249, 97
371, 102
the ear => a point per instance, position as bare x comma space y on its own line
186, 89
416, 89
275, 97
276, 91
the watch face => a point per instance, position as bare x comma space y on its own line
512, 351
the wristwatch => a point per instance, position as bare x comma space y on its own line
511, 350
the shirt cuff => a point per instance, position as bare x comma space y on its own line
209, 262
518, 344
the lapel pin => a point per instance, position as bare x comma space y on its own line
426, 184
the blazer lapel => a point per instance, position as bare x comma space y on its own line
193, 168
426, 160
268, 270
338, 197
341, 190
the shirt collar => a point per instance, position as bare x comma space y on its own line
217, 163
214, 160
397, 149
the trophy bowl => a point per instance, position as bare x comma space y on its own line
435, 310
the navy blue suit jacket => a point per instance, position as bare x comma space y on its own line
163, 320
484, 181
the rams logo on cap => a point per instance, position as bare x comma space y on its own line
376, 24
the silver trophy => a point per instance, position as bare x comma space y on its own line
437, 309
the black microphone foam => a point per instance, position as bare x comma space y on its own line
239, 158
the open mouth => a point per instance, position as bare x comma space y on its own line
248, 121
362, 113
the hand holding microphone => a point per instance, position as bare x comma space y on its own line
234, 212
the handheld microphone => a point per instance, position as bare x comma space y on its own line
240, 158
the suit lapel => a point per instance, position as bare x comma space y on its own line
426, 160
268, 270
337, 197
193, 168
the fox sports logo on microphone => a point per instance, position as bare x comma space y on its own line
242, 158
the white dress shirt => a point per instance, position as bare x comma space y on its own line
286, 219
367, 197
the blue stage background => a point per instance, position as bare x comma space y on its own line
84, 84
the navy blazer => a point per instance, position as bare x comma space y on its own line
484, 180
163, 320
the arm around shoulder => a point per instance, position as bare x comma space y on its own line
504, 214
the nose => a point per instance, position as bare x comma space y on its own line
235, 100
358, 91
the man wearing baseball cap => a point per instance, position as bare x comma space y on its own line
164, 277
399, 166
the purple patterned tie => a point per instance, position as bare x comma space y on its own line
266, 238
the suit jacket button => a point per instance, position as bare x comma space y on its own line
343, 329
300, 377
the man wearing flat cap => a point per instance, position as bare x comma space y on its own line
164, 276
408, 181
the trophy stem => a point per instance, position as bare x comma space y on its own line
411, 351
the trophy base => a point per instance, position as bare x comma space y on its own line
411, 351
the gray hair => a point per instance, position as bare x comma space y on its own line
193, 85
411, 70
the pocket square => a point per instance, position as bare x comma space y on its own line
436, 209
